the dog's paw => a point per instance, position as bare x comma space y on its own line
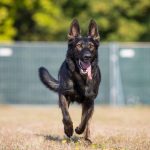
79, 130
68, 130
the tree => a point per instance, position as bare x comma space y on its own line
7, 30
48, 20
122, 20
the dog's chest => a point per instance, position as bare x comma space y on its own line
79, 90
84, 90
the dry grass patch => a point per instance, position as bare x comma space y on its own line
40, 128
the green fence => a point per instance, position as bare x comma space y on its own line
125, 72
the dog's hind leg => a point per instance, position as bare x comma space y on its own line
87, 112
68, 125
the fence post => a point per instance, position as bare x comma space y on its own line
116, 92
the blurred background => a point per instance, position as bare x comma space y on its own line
33, 33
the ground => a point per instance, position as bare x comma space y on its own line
40, 128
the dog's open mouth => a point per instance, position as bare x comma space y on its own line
85, 68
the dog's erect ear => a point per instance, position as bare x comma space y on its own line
74, 29
93, 30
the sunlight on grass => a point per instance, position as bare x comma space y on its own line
40, 128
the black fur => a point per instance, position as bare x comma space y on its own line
75, 82
48, 80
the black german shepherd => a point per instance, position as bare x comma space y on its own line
79, 77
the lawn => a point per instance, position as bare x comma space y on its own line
40, 128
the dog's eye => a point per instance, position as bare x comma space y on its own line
91, 46
79, 46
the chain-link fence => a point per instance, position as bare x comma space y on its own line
125, 72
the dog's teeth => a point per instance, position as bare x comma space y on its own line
83, 71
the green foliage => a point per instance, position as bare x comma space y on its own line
48, 20
7, 30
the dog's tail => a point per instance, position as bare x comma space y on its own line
48, 80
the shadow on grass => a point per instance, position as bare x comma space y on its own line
59, 139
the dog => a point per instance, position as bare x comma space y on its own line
79, 77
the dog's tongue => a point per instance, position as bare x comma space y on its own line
85, 65
89, 72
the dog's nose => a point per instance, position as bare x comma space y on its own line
87, 56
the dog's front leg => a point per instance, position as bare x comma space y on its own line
87, 112
87, 134
68, 125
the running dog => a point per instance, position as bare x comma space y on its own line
79, 77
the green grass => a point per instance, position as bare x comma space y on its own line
40, 128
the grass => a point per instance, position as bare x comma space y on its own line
40, 128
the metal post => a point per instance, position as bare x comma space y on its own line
116, 92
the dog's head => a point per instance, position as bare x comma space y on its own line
84, 50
